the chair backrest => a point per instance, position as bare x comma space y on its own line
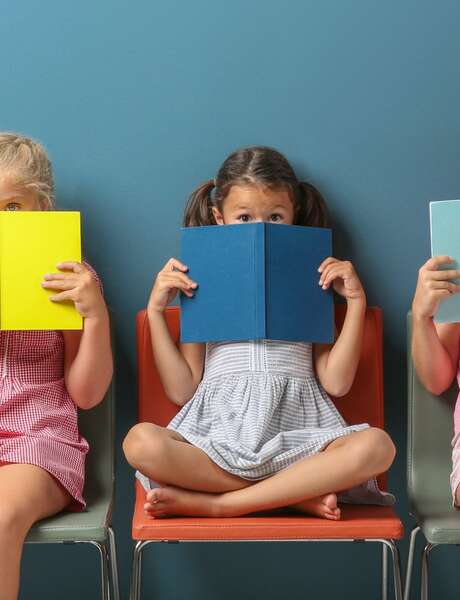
430, 430
98, 426
362, 404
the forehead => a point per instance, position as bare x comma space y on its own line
257, 197
10, 187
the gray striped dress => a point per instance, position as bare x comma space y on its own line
259, 408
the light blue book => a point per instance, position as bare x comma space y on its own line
445, 241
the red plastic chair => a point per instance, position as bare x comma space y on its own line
364, 403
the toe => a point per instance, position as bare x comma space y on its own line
154, 495
330, 501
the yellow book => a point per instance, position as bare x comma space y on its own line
31, 245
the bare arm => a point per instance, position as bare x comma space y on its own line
88, 362
435, 347
181, 369
88, 365
336, 364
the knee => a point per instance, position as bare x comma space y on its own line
143, 444
15, 522
375, 451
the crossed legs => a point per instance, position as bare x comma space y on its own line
192, 484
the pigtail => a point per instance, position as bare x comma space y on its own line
311, 207
198, 211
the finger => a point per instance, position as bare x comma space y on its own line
68, 295
67, 284
453, 288
174, 277
442, 294
325, 271
71, 265
327, 261
343, 273
58, 276
436, 261
445, 274
173, 263
343, 264
332, 272
175, 284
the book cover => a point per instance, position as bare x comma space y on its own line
445, 241
256, 281
31, 245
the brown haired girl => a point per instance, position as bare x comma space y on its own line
249, 437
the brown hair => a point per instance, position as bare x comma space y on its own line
27, 162
256, 165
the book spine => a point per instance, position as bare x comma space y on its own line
431, 228
259, 266
266, 266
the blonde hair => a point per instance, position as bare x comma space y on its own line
28, 163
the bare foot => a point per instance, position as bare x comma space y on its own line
322, 506
169, 501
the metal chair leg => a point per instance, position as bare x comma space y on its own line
136, 576
410, 562
396, 567
105, 586
113, 564
384, 572
424, 577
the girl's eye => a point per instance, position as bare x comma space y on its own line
13, 206
244, 218
275, 218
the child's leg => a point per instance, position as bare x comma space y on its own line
345, 463
165, 456
27, 494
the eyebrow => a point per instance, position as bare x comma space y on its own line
248, 207
12, 198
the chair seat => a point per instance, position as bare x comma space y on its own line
358, 522
439, 521
90, 525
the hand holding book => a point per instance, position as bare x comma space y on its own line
343, 277
169, 281
75, 283
434, 285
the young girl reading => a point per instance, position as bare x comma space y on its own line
436, 346
45, 376
257, 429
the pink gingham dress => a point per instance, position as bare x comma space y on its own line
455, 474
38, 418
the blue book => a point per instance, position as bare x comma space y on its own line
256, 281
445, 241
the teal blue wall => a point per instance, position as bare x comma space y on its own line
137, 102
